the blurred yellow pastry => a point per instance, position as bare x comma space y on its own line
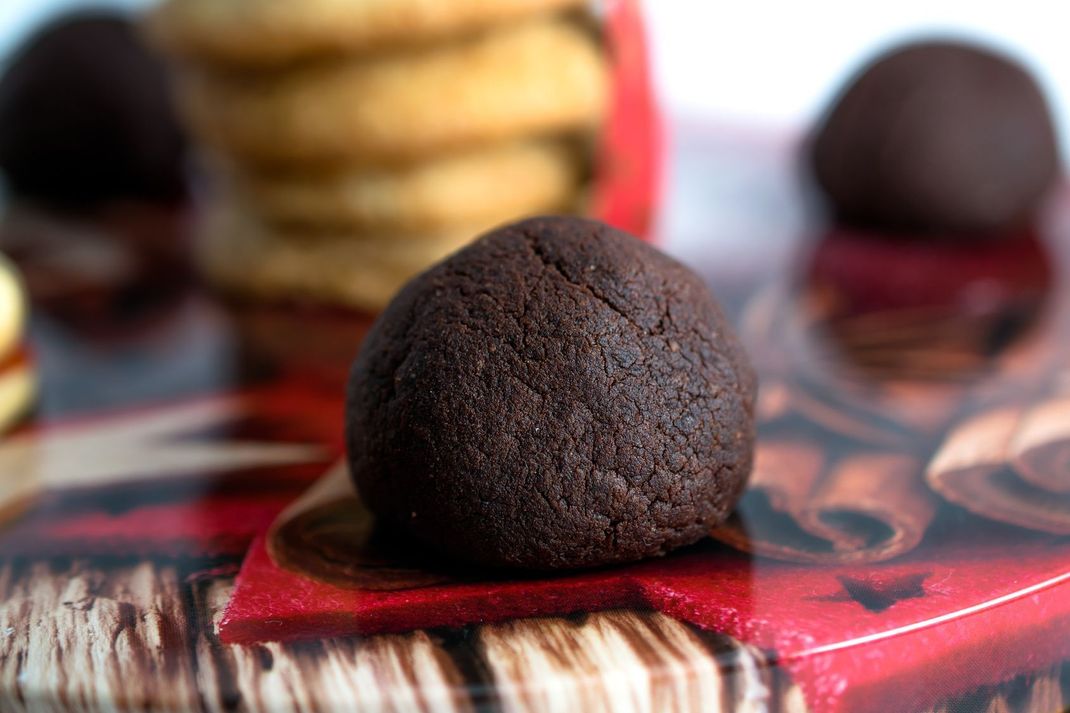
248, 256
12, 309
532, 79
257, 32
485, 186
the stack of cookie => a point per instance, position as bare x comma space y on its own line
359, 142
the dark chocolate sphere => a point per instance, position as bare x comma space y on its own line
86, 116
937, 137
557, 395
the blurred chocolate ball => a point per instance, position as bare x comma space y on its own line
937, 137
86, 117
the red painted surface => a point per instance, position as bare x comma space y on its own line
870, 271
972, 610
975, 605
202, 513
631, 152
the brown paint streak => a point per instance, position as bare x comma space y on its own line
93, 639
400, 672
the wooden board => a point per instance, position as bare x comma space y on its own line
141, 637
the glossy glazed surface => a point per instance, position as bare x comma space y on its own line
904, 542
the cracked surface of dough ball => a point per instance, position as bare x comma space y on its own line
557, 395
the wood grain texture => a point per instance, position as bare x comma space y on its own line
77, 638
1044, 692
1047, 691
618, 661
384, 673
611, 661
81, 637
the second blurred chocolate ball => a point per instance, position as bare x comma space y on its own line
86, 117
937, 137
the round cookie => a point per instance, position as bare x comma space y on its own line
246, 255
538, 78
937, 137
485, 186
265, 32
557, 395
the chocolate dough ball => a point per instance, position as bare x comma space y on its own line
86, 116
935, 137
557, 395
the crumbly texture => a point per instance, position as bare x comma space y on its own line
243, 254
937, 137
538, 78
557, 395
272, 32
485, 186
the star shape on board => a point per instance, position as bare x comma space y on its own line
876, 591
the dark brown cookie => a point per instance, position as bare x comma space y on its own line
86, 117
557, 395
937, 136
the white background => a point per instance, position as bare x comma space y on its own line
773, 64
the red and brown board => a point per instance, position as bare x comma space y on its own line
113, 591
137, 576
171, 543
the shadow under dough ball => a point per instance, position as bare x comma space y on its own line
86, 116
556, 395
936, 137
